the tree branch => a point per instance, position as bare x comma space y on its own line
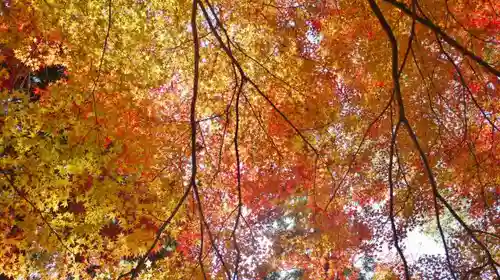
436, 29
402, 118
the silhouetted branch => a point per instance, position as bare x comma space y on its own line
194, 166
436, 29
401, 119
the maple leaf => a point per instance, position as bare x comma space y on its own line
316, 24
107, 142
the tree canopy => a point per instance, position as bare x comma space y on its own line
262, 139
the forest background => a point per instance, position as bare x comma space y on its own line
221, 139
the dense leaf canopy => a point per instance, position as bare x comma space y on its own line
253, 139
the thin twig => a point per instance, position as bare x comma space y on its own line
402, 117
101, 62
464, 84
38, 211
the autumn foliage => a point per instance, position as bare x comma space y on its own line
249, 139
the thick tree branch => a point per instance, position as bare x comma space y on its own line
402, 118
194, 166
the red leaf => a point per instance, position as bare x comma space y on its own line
475, 87
316, 24
107, 142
